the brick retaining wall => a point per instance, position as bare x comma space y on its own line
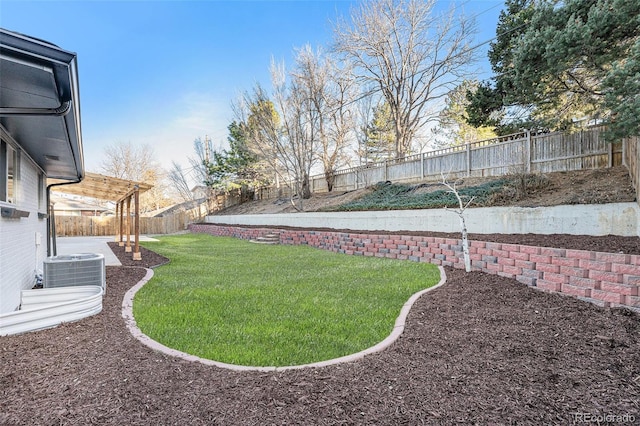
606, 279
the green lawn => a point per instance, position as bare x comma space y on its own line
232, 301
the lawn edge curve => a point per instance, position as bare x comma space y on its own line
398, 329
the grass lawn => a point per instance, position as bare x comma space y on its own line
232, 301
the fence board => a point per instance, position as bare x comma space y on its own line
631, 154
453, 165
67, 226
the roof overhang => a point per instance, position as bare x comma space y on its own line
101, 187
40, 103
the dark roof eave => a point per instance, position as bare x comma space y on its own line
64, 65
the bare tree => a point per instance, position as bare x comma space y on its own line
179, 182
296, 150
137, 163
327, 91
203, 150
279, 132
156, 197
411, 54
128, 161
363, 115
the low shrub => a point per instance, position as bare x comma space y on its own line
402, 197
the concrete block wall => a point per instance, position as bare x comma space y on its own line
606, 279
580, 219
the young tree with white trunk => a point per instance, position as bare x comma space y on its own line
462, 206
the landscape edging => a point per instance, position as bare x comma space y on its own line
605, 279
396, 332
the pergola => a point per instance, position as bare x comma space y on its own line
108, 188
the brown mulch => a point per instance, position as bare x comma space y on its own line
482, 349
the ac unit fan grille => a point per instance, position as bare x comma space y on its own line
74, 270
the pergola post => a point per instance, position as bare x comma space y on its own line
127, 247
136, 252
121, 224
135, 194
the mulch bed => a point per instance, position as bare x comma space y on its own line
482, 349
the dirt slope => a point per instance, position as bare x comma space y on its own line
578, 187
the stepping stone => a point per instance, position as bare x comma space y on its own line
271, 239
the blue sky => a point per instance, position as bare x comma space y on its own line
165, 72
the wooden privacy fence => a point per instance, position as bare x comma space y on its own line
68, 226
632, 161
518, 153
169, 223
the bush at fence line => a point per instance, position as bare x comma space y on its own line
400, 197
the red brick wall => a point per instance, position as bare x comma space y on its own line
606, 279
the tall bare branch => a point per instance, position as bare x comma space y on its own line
413, 55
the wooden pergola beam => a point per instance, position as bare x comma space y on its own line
121, 190
102, 187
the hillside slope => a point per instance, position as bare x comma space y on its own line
578, 187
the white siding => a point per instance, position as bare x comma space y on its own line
20, 255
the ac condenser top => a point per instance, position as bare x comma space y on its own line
74, 270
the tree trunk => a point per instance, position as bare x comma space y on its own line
399, 141
330, 177
306, 187
465, 245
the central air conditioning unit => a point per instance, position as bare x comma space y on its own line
74, 270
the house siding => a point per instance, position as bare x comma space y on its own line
21, 253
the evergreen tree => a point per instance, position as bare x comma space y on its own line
379, 144
565, 64
453, 128
236, 167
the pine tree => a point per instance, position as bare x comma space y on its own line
566, 64
453, 128
380, 141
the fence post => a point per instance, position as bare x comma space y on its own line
422, 154
468, 149
527, 152
386, 170
610, 154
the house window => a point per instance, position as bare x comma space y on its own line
9, 172
41, 192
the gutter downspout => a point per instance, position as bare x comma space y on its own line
50, 234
